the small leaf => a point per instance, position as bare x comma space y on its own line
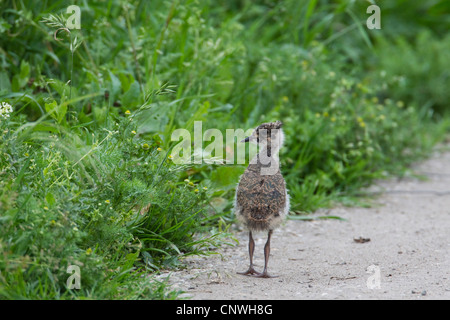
50, 198
57, 112
131, 98
226, 177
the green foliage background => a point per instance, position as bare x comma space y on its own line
85, 171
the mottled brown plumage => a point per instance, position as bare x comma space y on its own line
261, 200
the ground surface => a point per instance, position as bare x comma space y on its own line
407, 257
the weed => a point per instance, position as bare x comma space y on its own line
86, 174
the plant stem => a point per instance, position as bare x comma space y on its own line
71, 67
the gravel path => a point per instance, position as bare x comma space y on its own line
407, 256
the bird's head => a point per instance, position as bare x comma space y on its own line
267, 134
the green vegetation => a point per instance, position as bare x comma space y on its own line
86, 176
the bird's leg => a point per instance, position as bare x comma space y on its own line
264, 274
251, 249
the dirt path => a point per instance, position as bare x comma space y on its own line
407, 257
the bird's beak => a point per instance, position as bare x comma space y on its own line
246, 139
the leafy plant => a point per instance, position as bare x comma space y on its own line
86, 175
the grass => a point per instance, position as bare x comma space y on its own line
86, 177
107, 200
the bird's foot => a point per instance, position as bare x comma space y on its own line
264, 274
250, 272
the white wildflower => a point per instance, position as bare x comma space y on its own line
5, 110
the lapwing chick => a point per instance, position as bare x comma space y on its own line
261, 200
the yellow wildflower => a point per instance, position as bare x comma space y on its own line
361, 122
127, 112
